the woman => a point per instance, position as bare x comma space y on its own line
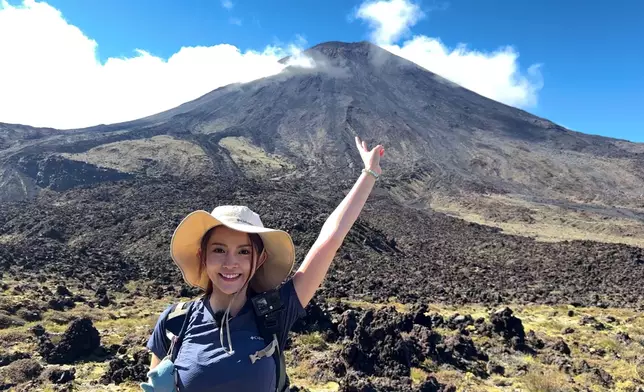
230, 255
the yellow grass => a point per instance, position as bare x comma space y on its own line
159, 153
544, 379
551, 223
244, 152
116, 323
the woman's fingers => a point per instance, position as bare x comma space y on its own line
362, 145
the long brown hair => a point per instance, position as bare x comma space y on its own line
256, 243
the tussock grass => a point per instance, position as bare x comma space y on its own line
117, 322
362, 304
548, 322
244, 152
418, 375
548, 222
544, 379
313, 341
132, 156
464, 382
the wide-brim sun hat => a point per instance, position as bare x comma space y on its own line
186, 241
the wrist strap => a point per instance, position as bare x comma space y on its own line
369, 171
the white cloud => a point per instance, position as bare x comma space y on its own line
50, 75
235, 21
496, 75
389, 20
227, 4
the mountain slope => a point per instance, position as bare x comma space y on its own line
87, 215
447, 147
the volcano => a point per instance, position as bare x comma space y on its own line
448, 148
468, 184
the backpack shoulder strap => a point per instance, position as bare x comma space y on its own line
175, 320
267, 307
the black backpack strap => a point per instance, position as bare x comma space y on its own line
268, 307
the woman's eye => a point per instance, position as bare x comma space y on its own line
244, 251
218, 250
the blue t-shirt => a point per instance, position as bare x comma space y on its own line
204, 366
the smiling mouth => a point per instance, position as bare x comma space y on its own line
229, 277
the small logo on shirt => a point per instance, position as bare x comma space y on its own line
256, 338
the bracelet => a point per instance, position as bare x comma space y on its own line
373, 173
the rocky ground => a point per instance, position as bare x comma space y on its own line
83, 342
121, 232
86, 272
362, 347
86, 218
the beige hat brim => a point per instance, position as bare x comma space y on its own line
186, 241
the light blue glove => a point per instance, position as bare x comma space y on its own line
161, 378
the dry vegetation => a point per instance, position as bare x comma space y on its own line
523, 372
545, 222
153, 156
132, 321
251, 158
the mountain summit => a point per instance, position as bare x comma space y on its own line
87, 216
448, 148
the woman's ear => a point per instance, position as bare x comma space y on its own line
262, 258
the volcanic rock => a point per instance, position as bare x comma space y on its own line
561, 346
61, 303
6, 359
354, 383
58, 375
508, 326
534, 341
603, 377
611, 319
21, 371
7, 321
378, 347
29, 315
317, 319
495, 368
123, 369
104, 301
78, 341
458, 321
52, 178
420, 316
592, 321
101, 291
623, 337
63, 291
348, 323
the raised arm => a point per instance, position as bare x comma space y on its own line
311, 273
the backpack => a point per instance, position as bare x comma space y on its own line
267, 307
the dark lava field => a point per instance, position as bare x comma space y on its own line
109, 234
415, 300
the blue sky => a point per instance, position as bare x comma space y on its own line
591, 53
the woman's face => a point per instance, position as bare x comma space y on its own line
228, 259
